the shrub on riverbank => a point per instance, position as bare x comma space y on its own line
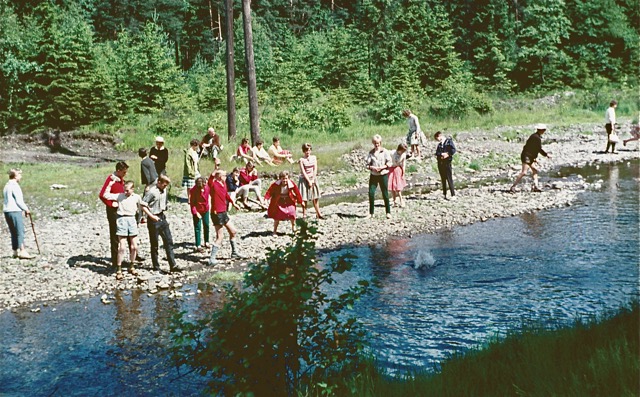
590, 358
279, 329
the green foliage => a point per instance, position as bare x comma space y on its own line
280, 329
388, 109
458, 98
324, 115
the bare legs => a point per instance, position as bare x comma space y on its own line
525, 168
132, 242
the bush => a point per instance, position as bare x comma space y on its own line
389, 109
457, 98
280, 330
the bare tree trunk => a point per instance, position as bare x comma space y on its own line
231, 74
254, 117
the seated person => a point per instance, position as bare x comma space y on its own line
247, 181
244, 152
278, 153
260, 155
635, 132
210, 144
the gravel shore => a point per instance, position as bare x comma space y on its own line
75, 248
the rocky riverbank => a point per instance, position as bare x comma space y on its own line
74, 260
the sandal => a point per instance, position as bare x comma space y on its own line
133, 271
119, 275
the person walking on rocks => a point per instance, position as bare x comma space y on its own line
199, 203
284, 194
529, 154
444, 153
13, 208
378, 164
308, 182
157, 223
116, 181
397, 180
129, 204
219, 199
415, 136
610, 126
160, 156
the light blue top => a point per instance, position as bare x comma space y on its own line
13, 201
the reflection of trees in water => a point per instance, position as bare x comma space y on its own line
534, 224
612, 189
128, 317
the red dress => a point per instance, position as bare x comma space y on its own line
283, 200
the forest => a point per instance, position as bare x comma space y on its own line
72, 63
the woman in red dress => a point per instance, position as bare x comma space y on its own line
284, 195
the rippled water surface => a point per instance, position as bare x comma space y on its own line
435, 294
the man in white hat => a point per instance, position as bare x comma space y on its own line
160, 156
529, 154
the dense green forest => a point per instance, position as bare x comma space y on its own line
70, 63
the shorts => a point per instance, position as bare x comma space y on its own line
220, 219
126, 226
526, 159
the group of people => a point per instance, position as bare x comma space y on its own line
211, 199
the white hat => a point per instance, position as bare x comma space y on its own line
541, 127
159, 139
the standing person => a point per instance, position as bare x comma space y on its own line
308, 182
148, 173
444, 153
530, 152
220, 217
284, 194
129, 204
415, 136
191, 169
397, 180
610, 125
156, 198
13, 207
278, 153
112, 206
378, 164
199, 203
160, 156
210, 144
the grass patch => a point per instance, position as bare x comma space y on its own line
590, 358
225, 276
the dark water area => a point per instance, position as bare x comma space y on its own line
434, 295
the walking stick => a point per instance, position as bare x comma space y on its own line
34, 233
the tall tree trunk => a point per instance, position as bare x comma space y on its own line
231, 74
254, 117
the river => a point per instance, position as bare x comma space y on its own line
434, 295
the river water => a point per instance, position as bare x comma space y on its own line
434, 295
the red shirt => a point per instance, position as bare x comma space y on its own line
242, 150
118, 187
219, 197
245, 177
199, 199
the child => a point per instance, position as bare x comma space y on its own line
278, 153
396, 174
284, 195
243, 153
219, 216
308, 181
128, 204
199, 203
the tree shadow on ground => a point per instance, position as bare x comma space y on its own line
96, 264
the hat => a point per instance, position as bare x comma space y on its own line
541, 126
159, 139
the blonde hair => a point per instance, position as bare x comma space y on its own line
376, 138
283, 173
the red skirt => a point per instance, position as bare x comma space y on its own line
396, 179
282, 209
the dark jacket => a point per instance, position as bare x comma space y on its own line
533, 147
148, 172
446, 146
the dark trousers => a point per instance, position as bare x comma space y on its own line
112, 215
383, 182
446, 176
161, 229
609, 128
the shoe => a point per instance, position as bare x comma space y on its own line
388, 216
624, 143
119, 275
23, 254
176, 269
453, 198
234, 251
200, 249
513, 190
140, 258
15, 253
320, 217
536, 189
212, 259
614, 152
133, 271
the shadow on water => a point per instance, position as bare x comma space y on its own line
434, 295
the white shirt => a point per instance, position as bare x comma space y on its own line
13, 200
610, 116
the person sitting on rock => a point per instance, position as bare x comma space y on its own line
278, 154
260, 155
210, 144
244, 152
249, 182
